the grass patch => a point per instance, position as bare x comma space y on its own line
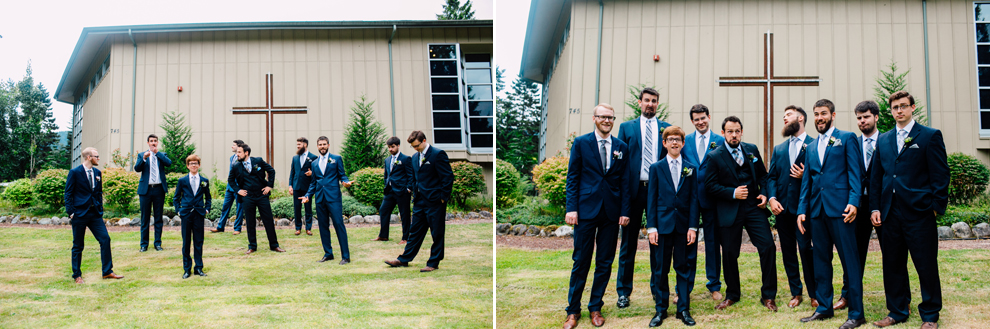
532, 293
266, 289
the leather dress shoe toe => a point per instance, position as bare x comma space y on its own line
841, 304
814, 303
623, 301
929, 325
113, 276
249, 251
849, 324
324, 259
143, 249
298, 232
716, 295
308, 232
396, 263
236, 232
345, 261
572, 321
402, 242
597, 319
379, 239
79, 280
428, 269
278, 249
159, 248
770, 304
817, 316
213, 230
686, 318
199, 272
186, 275
658, 319
886, 322
725, 304
795, 301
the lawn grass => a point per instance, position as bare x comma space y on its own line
532, 288
266, 289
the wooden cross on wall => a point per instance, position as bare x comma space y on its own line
269, 110
768, 81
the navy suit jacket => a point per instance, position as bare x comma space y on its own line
918, 175
690, 151
433, 179
401, 175
186, 201
590, 188
630, 134
325, 185
721, 180
780, 184
79, 195
233, 161
253, 182
142, 166
297, 175
678, 213
836, 181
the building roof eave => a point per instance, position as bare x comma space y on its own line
547, 20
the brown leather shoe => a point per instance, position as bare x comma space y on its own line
814, 303
770, 304
278, 249
396, 263
887, 322
572, 321
79, 280
725, 304
428, 269
213, 230
379, 239
402, 242
675, 299
716, 295
237, 232
597, 319
249, 251
929, 325
308, 232
841, 304
298, 232
795, 301
113, 276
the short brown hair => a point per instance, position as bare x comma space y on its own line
824, 102
152, 136
238, 142
393, 141
650, 91
303, 140
417, 135
899, 95
800, 111
673, 130
594, 111
87, 152
193, 157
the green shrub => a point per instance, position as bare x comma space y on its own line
968, 179
506, 184
551, 180
49, 187
353, 207
368, 186
532, 211
468, 181
282, 208
217, 206
218, 187
968, 215
20, 192
120, 187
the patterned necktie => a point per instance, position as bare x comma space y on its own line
901, 136
648, 148
868, 148
154, 169
602, 153
247, 166
738, 156
701, 148
92, 184
674, 173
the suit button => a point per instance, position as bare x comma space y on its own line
895, 176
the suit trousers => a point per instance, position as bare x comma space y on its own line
297, 206
430, 216
388, 205
601, 232
828, 232
864, 229
95, 224
792, 244
192, 234
228, 200
630, 241
713, 250
254, 204
326, 213
154, 200
755, 221
685, 259
904, 232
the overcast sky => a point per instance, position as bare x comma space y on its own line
46, 32
510, 32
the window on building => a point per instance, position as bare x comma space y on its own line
445, 92
480, 101
982, 21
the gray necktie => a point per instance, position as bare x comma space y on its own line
154, 169
868, 148
738, 156
195, 184
89, 173
901, 136
648, 148
674, 173
602, 152
821, 148
323, 164
794, 150
702, 148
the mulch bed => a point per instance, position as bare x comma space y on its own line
537, 243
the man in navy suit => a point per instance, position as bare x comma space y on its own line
397, 191
192, 202
736, 180
642, 135
433, 184
84, 205
908, 188
328, 176
253, 190
597, 201
697, 146
784, 190
830, 192
672, 223
152, 189
299, 178
229, 197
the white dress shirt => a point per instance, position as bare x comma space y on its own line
644, 173
608, 149
823, 143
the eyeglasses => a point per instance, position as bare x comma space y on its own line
901, 107
605, 117
674, 140
94, 156
194, 163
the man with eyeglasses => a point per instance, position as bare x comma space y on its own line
597, 199
642, 135
84, 205
908, 188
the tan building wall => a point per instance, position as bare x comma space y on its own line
845, 43
325, 70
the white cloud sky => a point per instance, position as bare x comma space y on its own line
510, 33
46, 32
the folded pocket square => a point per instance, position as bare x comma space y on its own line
913, 146
427, 162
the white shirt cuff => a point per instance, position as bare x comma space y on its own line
694, 229
651, 230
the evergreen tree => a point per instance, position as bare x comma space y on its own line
453, 10
364, 140
177, 142
8, 123
518, 120
27, 127
632, 103
888, 83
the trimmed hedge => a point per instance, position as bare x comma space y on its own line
506, 184
49, 187
468, 181
20, 192
282, 208
120, 187
551, 180
368, 186
353, 207
968, 215
968, 178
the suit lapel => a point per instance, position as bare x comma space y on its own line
665, 172
915, 131
593, 145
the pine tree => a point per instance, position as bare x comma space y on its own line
28, 139
453, 10
632, 103
177, 142
364, 140
888, 83
518, 120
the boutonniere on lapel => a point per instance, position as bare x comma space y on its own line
97, 178
616, 155
712, 146
257, 168
751, 157
331, 160
687, 172
397, 162
661, 130
202, 184
804, 146
908, 144
832, 141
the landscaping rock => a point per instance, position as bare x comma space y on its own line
485, 214
124, 222
543, 233
284, 222
34, 220
395, 219
356, 220
112, 221
643, 234
962, 230
451, 216
502, 228
3, 219
982, 230
533, 230
135, 222
745, 236
45, 221
518, 229
701, 235
564, 231
945, 232
16, 219
473, 215
873, 235
373, 219
207, 223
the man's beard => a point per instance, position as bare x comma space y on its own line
240, 158
870, 130
732, 145
324, 151
791, 129
828, 125
649, 115
300, 150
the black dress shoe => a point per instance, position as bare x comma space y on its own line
623, 301
159, 248
143, 249
658, 319
686, 318
324, 259
817, 316
852, 323
344, 261
200, 272
185, 275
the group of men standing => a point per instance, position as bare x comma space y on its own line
826, 191
250, 182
